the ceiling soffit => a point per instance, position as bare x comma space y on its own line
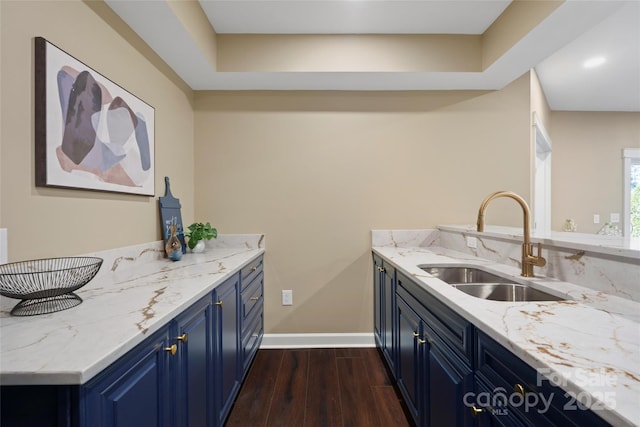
499, 45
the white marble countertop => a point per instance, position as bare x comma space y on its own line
135, 293
591, 342
607, 245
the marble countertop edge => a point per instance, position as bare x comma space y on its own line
72, 346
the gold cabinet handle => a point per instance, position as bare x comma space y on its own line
421, 341
173, 349
254, 268
183, 337
255, 298
518, 388
219, 303
380, 269
415, 334
475, 411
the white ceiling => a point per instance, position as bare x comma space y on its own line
352, 17
615, 85
556, 48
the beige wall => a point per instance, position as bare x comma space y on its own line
348, 52
46, 222
539, 104
381, 52
587, 165
518, 19
316, 171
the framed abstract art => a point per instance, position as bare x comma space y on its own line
90, 133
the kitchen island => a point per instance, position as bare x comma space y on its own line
588, 343
137, 296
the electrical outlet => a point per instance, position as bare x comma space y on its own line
596, 219
287, 297
615, 218
472, 242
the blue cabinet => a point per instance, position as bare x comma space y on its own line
452, 374
238, 330
251, 313
377, 301
165, 381
188, 373
227, 344
431, 377
384, 295
198, 365
136, 391
516, 394
409, 359
194, 373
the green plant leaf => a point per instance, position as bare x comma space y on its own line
198, 231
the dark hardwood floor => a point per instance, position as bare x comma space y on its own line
318, 388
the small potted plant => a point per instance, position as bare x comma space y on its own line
196, 233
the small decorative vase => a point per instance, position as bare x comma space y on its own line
570, 225
173, 248
199, 247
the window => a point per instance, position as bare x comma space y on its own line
631, 158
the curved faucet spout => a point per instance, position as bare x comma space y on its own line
528, 259
511, 195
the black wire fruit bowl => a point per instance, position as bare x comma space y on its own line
46, 285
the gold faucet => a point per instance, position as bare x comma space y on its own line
528, 259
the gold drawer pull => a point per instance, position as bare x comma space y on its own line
476, 411
173, 349
254, 268
421, 341
183, 337
255, 298
518, 388
219, 303
415, 334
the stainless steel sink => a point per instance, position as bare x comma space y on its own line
454, 275
483, 284
505, 292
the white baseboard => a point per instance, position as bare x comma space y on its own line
317, 340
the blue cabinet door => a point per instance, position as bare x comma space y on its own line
388, 285
252, 321
227, 346
448, 384
377, 301
430, 375
384, 319
408, 368
135, 391
194, 373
